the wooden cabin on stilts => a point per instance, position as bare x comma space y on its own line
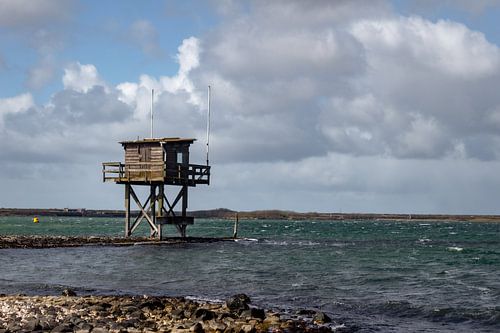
156, 163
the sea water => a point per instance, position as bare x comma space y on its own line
384, 276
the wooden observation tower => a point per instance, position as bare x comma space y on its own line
156, 163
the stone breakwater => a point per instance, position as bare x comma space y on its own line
149, 314
7, 242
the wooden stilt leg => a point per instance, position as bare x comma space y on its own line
153, 232
184, 208
127, 210
161, 194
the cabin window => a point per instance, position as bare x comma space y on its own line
179, 157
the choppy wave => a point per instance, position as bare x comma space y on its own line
405, 309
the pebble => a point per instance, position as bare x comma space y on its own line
99, 314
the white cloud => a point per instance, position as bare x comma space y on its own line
444, 46
80, 77
139, 94
15, 104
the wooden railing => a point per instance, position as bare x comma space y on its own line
176, 174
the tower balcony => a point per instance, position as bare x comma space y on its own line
144, 173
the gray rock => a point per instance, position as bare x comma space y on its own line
178, 314
33, 325
238, 303
248, 328
253, 313
85, 326
321, 318
62, 328
197, 328
204, 314
68, 292
137, 315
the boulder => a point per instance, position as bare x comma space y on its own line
321, 318
253, 313
204, 314
68, 292
178, 314
238, 303
197, 328
33, 325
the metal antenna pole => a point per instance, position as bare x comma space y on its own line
208, 124
152, 101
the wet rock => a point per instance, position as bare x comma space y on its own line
216, 326
248, 328
197, 328
304, 312
178, 314
68, 292
237, 303
96, 308
33, 325
62, 328
129, 309
85, 326
13, 327
130, 323
253, 313
203, 314
152, 303
224, 315
139, 315
321, 318
133, 330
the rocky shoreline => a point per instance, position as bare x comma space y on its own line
7, 242
86, 314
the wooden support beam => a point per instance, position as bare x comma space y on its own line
161, 195
184, 200
177, 198
144, 213
127, 210
140, 217
153, 227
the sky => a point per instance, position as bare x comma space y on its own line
332, 106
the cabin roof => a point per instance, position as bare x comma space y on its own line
160, 140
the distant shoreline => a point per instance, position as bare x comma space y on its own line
223, 213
